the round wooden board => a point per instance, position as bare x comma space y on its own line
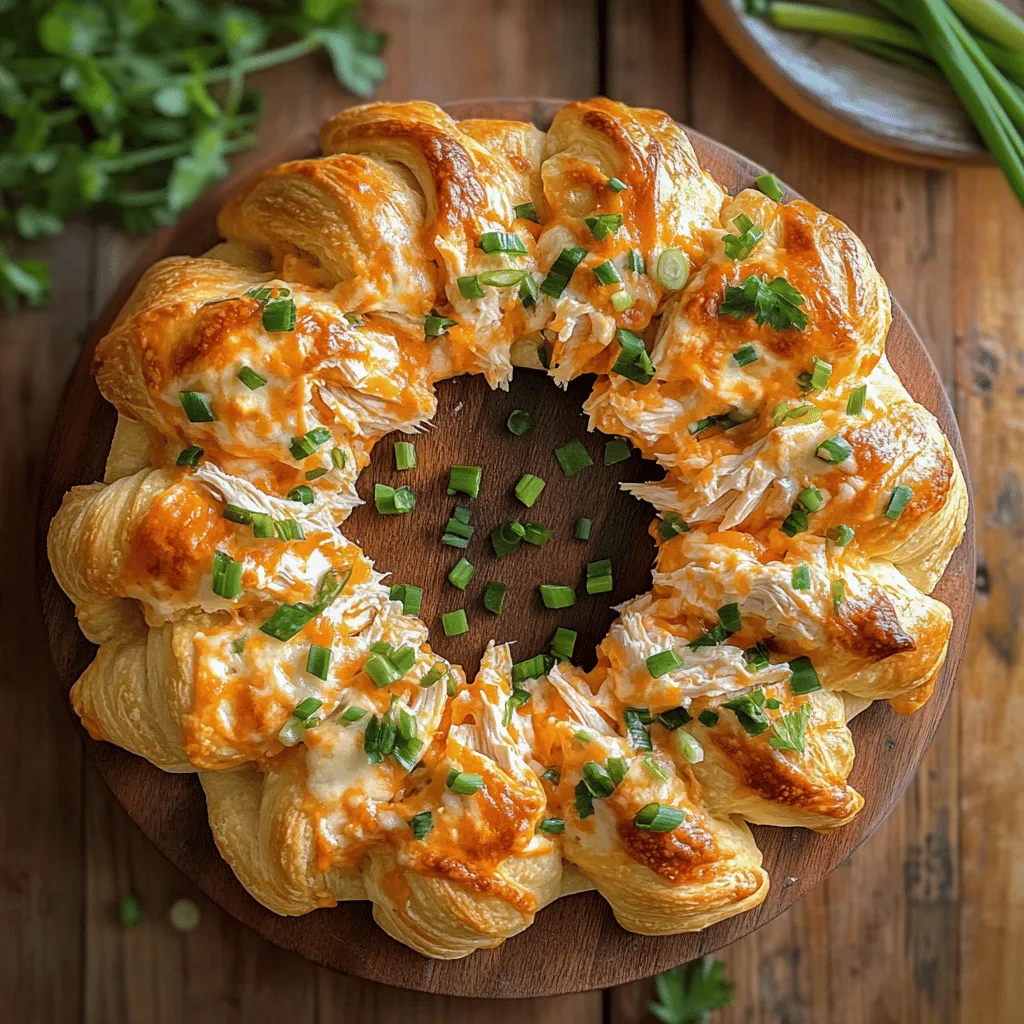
863, 100
576, 944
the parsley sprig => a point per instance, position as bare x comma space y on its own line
776, 303
130, 109
687, 994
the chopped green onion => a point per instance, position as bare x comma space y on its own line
517, 698
804, 679
582, 735
632, 362
599, 577
505, 277
796, 522
622, 301
435, 325
807, 413
603, 224
392, 502
618, 767
302, 447
810, 498
502, 241
674, 718
455, 623
749, 709
262, 525
819, 377
802, 577
838, 593
689, 747
729, 617
557, 596
405, 455
278, 316
709, 719
381, 670
506, 538
617, 184
338, 458
658, 818
616, 450
573, 457
353, 714
773, 704
461, 574
774, 302
855, 402
533, 668
289, 529
840, 534
673, 269
227, 576
528, 293
519, 422
898, 501
536, 533
757, 656
527, 211
597, 780
634, 261
654, 768
552, 775
318, 662
315, 474
464, 480
250, 378
421, 824
739, 247
561, 271
745, 356
638, 728
433, 674
190, 456
581, 531
464, 783
528, 489
672, 525
834, 449
770, 187
584, 802
469, 287
563, 643
237, 514
606, 273
663, 662
552, 826
462, 514
196, 406
354, 319
410, 596
712, 638
494, 597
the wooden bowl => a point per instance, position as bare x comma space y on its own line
575, 945
863, 100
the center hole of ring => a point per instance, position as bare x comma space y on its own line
469, 430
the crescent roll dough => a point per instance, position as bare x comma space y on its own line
807, 509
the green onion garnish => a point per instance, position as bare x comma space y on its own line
461, 574
599, 576
804, 679
405, 455
634, 261
318, 662
770, 187
502, 241
315, 474
434, 325
237, 514
464, 783
519, 422
855, 402
606, 273
381, 670
616, 450
561, 271
632, 362
528, 489
617, 184
505, 277
807, 413
527, 211
749, 709
581, 531
746, 355
673, 269
654, 768
584, 802
555, 595
302, 447
603, 224
536, 533
533, 668
392, 502
796, 522
898, 501
834, 449
757, 657
455, 623
729, 617
774, 302
658, 818
494, 597
290, 618
289, 529
262, 525
638, 728
802, 577
506, 538
663, 662
551, 826
190, 456
353, 714
672, 525
810, 498
436, 672
712, 638
279, 315
819, 377
552, 775
674, 718
338, 458
840, 534
250, 378
410, 596
563, 643
469, 287
739, 247
573, 457
621, 301
597, 780
404, 658
617, 769
689, 747
421, 824
709, 719
838, 593
196, 406
227, 576
464, 480
528, 293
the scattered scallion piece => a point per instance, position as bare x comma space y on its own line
805, 413
494, 597
804, 679
632, 362
190, 456
658, 818
674, 718
528, 293
739, 247
898, 501
802, 577
635, 262
315, 474
318, 662
572, 457
469, 287
840, 534
552, 775
810, 498
455, 623
551, 826
563, 643
749, 710
603, 225
381, 670
237, 514
776, 303
616, 450
289, 619
833, 449
729, 617
519, 422
528, 489
617, 184
338, 458
712, 638
672, 525
709, 718
289, 529
855, 401
770, 187
581, 531
433, 674
599, 577
302, 447
596, 778
654, 768
818, 378
353, 714
506, 538
527, 211
838, 593
536, 533
757, 656
561, 271
502, 241
673, 269
464, 783
461, 574
745, 355
796, 522
606, 273
663, 662
410, 596
621, 301
503, 277
227, 576
638, 728
279, 316
689, 747
405, 455
618, 768
421, 824
555, 595
583, 801
392, 502
533, 668
197, 406
434, 325
250, 378
465, 480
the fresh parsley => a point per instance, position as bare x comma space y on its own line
788, 730
687, 994
776, 303
130, 109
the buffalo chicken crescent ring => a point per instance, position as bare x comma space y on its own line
807, 509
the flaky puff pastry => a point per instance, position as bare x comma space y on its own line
419, 248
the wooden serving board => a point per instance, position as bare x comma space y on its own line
574, 945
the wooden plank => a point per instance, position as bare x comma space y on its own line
990, 375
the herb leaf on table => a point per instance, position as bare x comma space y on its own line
687, 994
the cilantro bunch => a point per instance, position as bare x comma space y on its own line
129, 108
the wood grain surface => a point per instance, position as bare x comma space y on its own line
923, 924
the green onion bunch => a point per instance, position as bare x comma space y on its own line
977, 45
129, 108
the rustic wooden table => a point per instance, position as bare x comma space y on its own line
924, 924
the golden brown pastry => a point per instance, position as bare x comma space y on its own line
808, 507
